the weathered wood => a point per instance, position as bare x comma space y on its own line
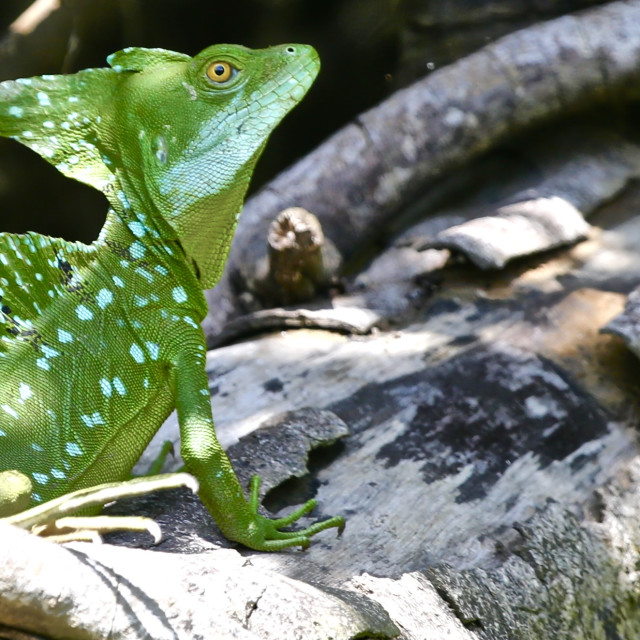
579, 173
358, 180
436, 33
490, 477
490, 474
88, 592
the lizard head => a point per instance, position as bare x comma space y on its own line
196, 130
165, 134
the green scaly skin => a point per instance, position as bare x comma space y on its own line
100, 342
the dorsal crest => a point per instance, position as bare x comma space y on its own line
59, 116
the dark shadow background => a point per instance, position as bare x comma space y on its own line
358, 57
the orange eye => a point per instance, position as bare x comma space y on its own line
220, 72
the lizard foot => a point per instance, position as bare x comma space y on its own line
266, 534
51, 519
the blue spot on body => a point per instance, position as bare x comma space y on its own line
64, 336
119, 386
49, 352
73, 449
104, 298
137, 228
94, 419
40, 478
153, 349
179, 294
7, 409
145, 274
105, 385
136, 353
137, 250
84, 313
190, 321
25, 391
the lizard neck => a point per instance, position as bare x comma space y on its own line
200, 226
147, 246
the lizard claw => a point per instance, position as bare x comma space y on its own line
266, 534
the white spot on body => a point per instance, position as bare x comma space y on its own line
64, 336
40, 478
119, 386
179, 294
104, 298
25, 391
189, 320
136, 353
161, 152
123, 199
154, 350
94, 419
106, 388
137, 250
193, 95
147, 276
49, 352
73, 449
84, 313
43, 99
7, 409
137, 228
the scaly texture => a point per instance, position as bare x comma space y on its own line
100, 342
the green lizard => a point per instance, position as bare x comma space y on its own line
100, 342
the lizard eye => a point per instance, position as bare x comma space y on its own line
221, 72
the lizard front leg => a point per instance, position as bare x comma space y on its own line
220, 490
